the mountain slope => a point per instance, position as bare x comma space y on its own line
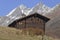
40, 8
4, 20
12, 16
53, 27
55, 11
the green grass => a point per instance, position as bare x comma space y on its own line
7, 33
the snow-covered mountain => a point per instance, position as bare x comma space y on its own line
40, 8
22, 11
4, 20
18, 12
54, 12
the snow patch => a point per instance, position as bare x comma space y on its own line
7, 21
17, 18
13, 17
11, 12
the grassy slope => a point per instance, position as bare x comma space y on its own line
7, 33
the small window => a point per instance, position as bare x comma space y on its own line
20, 23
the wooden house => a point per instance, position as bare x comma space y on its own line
31, 21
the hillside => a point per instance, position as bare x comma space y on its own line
55, 12
53, 27
7, 33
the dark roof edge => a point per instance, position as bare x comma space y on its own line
38, 15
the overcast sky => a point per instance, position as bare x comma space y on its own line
7, 5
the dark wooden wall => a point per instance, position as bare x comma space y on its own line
34, 22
